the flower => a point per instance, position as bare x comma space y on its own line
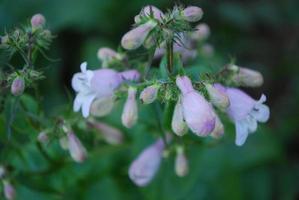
9, 190
192, 13
76, 149
149, 94
38, 20
178, 124
106, 55
218, 97
198, 113
98, 85
130, 112
246, 77
17, 86
146, 11
218, 130
181, 163
145, 166
111, 134
245, 112
202, 32
135, 38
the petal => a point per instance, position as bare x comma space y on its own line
86, 104
241, 133
251, 124
262, 99
78, 102
261, 113
83, 67
77, 81
102, 106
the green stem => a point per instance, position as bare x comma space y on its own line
169, 52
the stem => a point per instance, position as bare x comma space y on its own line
169, 55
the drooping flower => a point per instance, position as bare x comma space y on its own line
149, 94
246, 77
198, 113
9, 190
98, 85
146, 165
38, 20
192, 13
76, 149
245, 112
146, 11
111, 134
202, 32
178, 125
130, 112
181, 163
135, 38
218, 97
18, 86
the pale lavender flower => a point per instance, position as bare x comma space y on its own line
130, 111
178, 125
18, 86
146, 165
246, 77
76, 149
181, 163
38, 20
219, 129
217, 97
192, 13
149, 94
135, 38
102, 106
106, 55
198, 113
9, 190
146, 11
111, 134
245, 112
202, 32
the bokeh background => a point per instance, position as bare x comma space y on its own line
260, 34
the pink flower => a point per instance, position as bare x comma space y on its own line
76, 149
149, 94
245, 112
130, 112
38, 20
198, 113
246, 77
145, 166
18, 86
192, 13
178, 125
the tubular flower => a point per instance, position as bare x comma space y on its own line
247, 77
135, 38
130, 112
245, 112
192, 13
76, 149
146, 11
97, 85
106, 55
110, 134
218, 97
178, 125
198, 113
145, 166
149, 94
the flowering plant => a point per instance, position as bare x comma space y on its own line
184, 102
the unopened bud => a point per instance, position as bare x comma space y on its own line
178, 125
130, 112
201, 33
181, 163
76, 149
158, 14
106, 54
110, 134
192, 14
38, 20
218, 130
43, 137
18, 86
9, 190
102, 106
135, 38
218, 98
149, 94
248, 77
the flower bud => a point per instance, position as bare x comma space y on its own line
106, 54
192, 14
146, 165
18, 86
178, 125
43, 137
110, 134
201, 33
218, 130
130, 112
218, 98
247, 77
76, 149
102, 106
38, 20
9, 190
135, 38
181, 163
149, 94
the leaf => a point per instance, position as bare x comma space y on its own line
163, 68
167, 115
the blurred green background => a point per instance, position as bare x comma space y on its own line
261, 34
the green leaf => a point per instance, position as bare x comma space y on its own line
167, 115
163, 68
